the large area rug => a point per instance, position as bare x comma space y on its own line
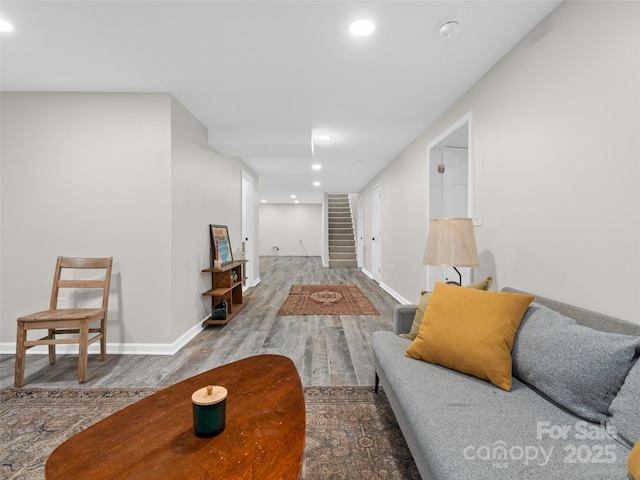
352, 433
326, 300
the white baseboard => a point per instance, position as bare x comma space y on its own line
116, 348
388, 289
394, 294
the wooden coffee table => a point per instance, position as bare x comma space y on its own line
154, 438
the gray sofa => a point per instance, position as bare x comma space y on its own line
461, 427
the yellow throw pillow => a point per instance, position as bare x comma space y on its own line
633, 462
471, 331
424, 301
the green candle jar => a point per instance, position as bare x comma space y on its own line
209, 410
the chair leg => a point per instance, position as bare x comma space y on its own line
83, 352
20, 355
52, 348
103, 341
103, 349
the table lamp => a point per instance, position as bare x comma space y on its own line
451, 243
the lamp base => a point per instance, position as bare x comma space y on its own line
459, 283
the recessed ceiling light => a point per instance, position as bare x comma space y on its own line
293, 196
5, 26
316, 166
361, 28
264, 201
316, 184
296, 201
324, 137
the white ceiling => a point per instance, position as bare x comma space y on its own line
266, 77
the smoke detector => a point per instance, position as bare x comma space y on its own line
450, 29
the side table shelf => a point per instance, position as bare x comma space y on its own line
224, 287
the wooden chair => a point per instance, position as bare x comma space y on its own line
64, 321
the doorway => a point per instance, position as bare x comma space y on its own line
450, 186
376, 234
247, 229
359, 234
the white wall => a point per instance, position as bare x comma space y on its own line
87, 175
285, 226
557, 176
102, 174
206, 189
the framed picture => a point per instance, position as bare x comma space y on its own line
220, 245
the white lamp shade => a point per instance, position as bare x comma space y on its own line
451, 243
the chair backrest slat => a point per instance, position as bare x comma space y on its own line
82, 263
81, 283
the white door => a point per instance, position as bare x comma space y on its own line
375, 232
247, 228
450, 200
455, 182
450, 187
359, 232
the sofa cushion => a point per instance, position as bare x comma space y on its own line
625, 410
580, 368
424, 301
471, 331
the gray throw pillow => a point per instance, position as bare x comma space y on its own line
625, 408
580, 368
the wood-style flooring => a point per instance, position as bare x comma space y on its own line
327, 349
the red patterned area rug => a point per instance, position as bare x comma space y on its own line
326, 300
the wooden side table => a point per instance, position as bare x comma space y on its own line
226, 284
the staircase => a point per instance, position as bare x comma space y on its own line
342, 244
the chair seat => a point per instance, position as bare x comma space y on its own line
63, 314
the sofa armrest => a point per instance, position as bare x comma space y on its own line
403, 318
